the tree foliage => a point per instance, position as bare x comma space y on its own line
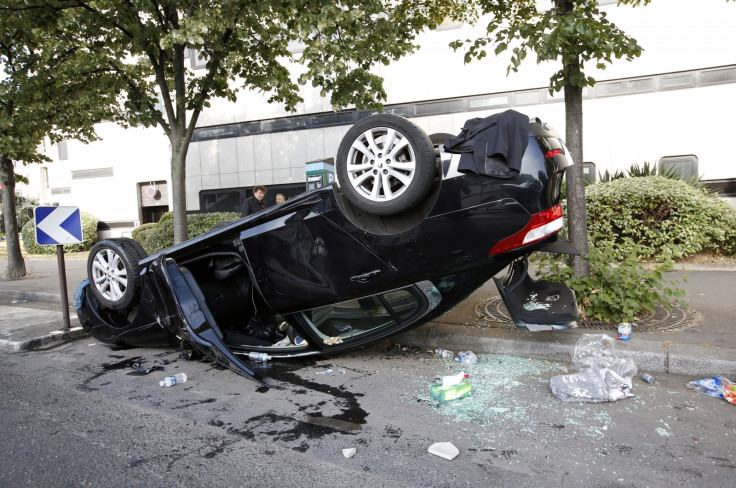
267, 46
575, 32
578, 35
48, 88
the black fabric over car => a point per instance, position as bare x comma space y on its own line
492, 146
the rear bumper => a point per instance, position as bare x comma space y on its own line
536, 304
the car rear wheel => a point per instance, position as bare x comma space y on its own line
385, 164
114, 273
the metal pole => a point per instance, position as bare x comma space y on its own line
62, 287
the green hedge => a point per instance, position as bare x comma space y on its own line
630, 220
658, 218
155, 237
89, 234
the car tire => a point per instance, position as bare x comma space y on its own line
385, 164
136, 245
114, 273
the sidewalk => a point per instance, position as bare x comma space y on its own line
705, 346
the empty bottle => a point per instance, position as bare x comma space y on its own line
466, 357
258, 356
444, 353
173, 380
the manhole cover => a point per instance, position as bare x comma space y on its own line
493, 313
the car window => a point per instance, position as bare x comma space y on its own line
354, 318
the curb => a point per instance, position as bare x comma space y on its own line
31, 296
649, 356
72, 334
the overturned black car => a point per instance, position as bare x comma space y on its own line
409, 231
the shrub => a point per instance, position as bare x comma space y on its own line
24, 212
155, 237
89, 236
615, 291
658, 218
143, 233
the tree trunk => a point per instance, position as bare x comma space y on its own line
178, 188
16, 265
576, 213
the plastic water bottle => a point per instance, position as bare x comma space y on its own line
466, 357
258, 356
173, 380
444, 353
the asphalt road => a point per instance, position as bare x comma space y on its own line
78, 415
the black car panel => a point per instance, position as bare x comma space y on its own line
319, 274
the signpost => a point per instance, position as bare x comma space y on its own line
57, 226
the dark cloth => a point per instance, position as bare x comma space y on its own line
251, 205
492, 146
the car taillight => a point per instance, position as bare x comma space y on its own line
553, 153
540, 225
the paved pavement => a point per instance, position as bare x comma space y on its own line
31, 317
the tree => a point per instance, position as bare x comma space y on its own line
40, 98
577, 33
246, 45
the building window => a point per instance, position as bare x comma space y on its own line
197, 60
224, 200
92, 173
684, 166
589, 174
63, 151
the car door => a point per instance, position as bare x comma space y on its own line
302, 260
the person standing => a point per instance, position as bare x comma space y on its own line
254, 203
280, 198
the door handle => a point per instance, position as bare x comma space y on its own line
362, 278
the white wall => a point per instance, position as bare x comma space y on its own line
136, 155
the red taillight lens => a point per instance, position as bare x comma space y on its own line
553, 153
541, 225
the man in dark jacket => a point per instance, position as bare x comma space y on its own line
254, 203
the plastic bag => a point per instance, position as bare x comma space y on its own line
717, 387
603, 377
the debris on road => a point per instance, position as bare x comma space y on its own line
331, 371
444, 450
603, 377
717, 387
349, 452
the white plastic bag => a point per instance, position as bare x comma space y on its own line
602, 378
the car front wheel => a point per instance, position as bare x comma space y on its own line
385, 164
114, 273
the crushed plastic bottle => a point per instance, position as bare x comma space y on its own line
331, 371
258, 356
624, 331
173, 380
710, 386
466, 357
444, 353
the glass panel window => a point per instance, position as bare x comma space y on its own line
354, 318
685, 166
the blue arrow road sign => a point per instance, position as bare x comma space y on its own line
58, 225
